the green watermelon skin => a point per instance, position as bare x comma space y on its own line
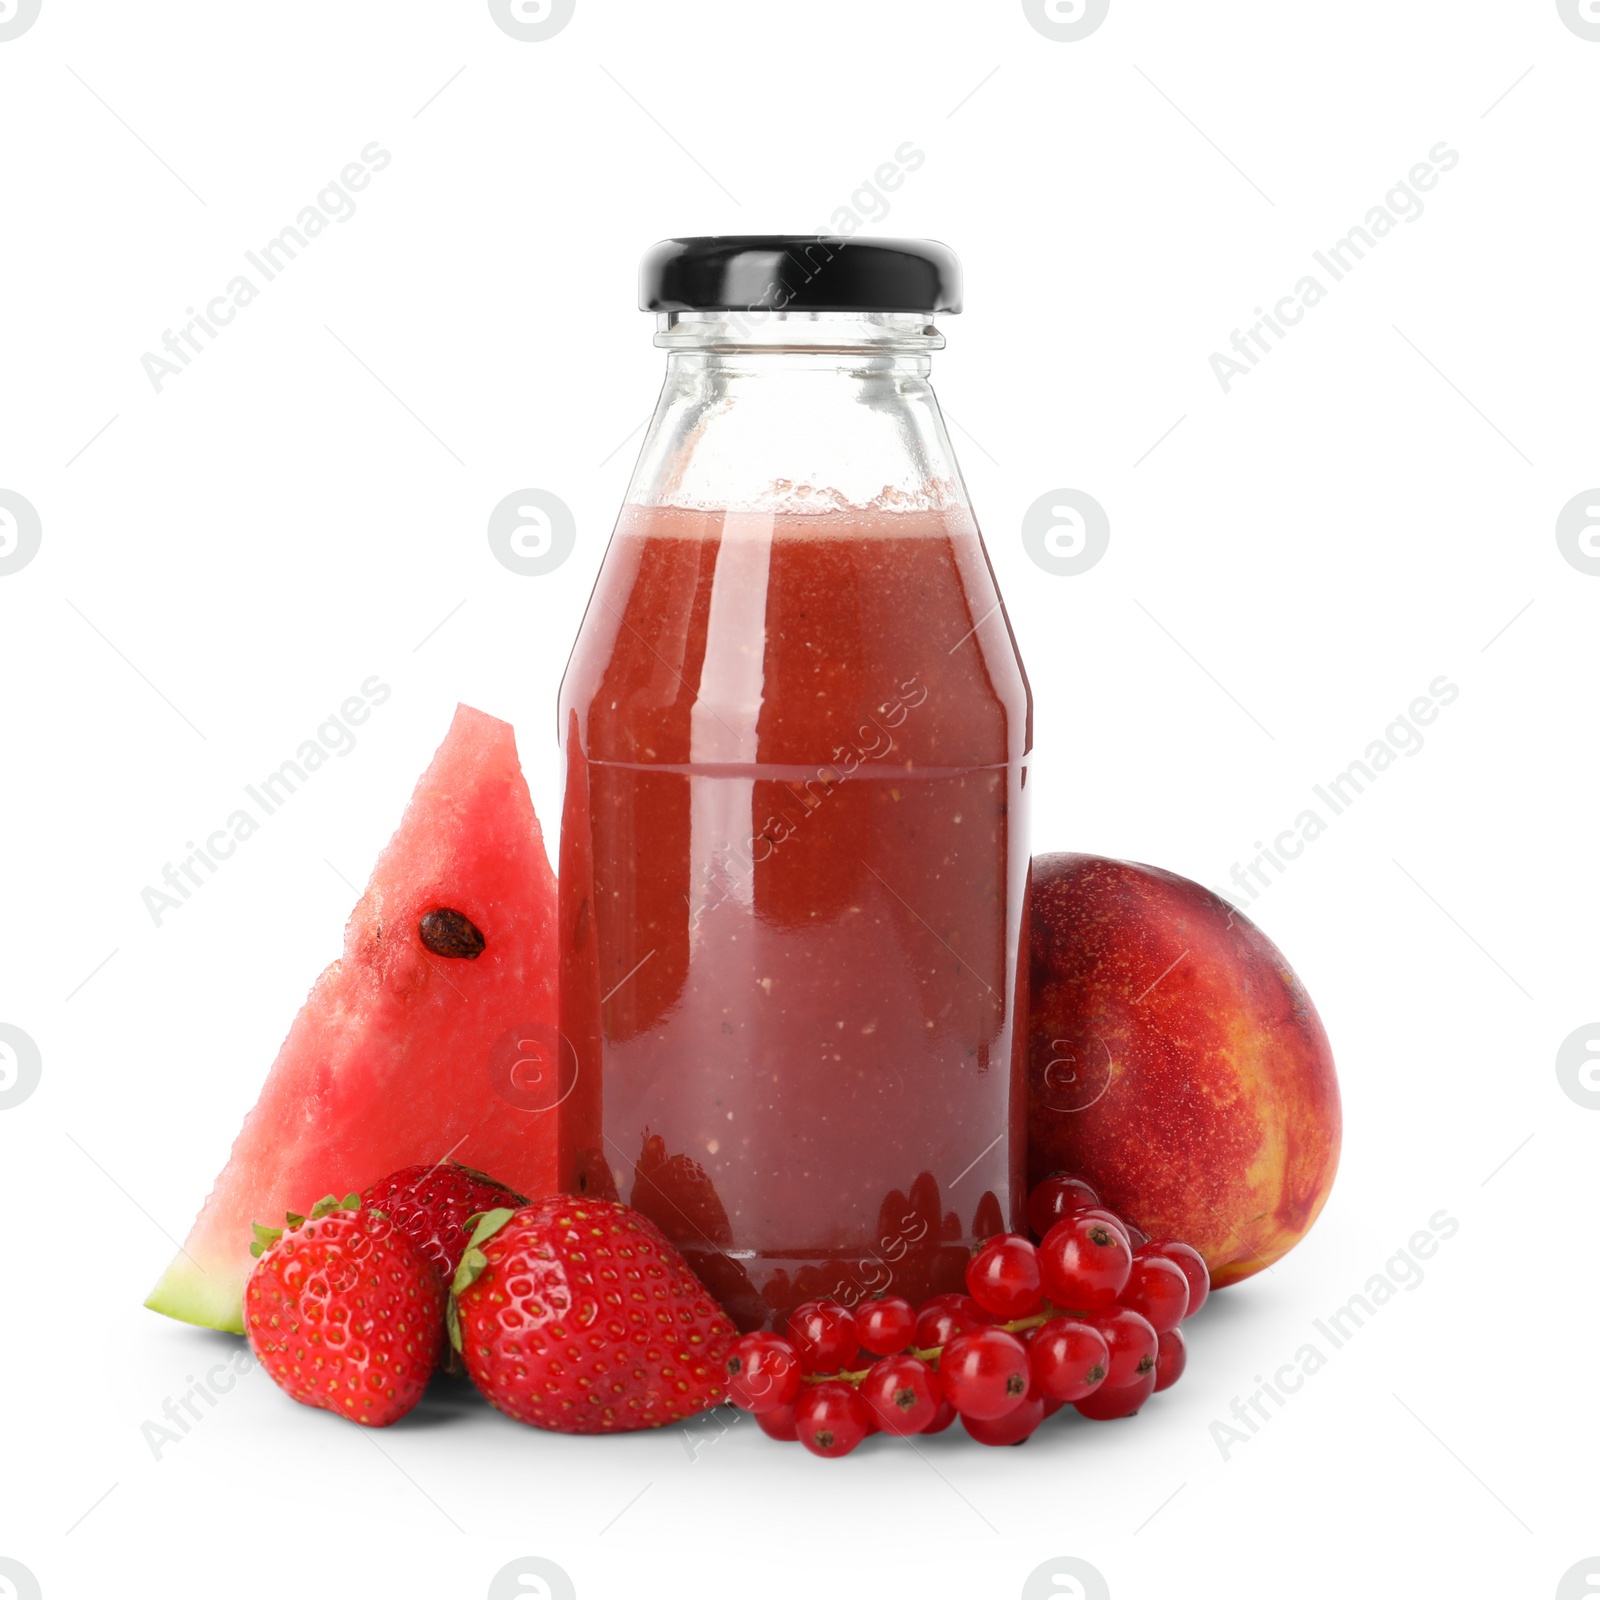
400, 1055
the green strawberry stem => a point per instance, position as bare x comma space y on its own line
484, 1225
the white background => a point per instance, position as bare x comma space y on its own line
1294, 562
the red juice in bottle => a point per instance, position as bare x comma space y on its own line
794, 846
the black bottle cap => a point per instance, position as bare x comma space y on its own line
799, 272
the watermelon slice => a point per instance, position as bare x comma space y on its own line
402, 1053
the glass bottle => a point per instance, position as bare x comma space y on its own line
794, 848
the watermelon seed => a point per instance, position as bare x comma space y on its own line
448, 933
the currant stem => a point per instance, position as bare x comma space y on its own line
932, 1354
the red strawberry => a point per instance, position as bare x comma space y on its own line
432, 1205
577, 1315
345, 1312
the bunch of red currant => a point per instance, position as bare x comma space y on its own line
1088, 1317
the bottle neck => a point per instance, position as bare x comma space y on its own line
797, 412
757, 333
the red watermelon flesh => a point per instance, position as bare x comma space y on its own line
400, 1054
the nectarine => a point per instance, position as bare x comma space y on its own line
1176, 1062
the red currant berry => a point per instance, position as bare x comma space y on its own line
1016, 1425
1107, 1215
1137, 1237
1069, 1359
1131, 1342
778, 1423
1051, 1406
1004, 1277
942, 1418
1172, 1356
984, 1373
823, 1334
1193, 1266
887, 1326
1107, 1404
946, 1315
901, 1394
1157, 1290
1084, 1262
831, 1419
1054, 1197
763, 1372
